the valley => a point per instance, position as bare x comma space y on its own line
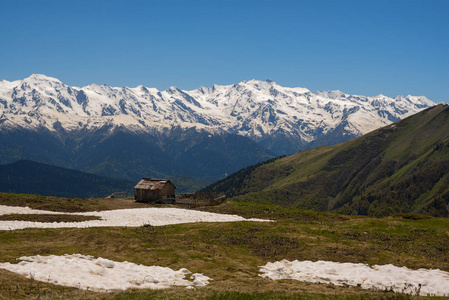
224, 150
359, 196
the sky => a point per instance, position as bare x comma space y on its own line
365, 47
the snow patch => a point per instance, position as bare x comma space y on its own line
100, 274
120, 218
381, 277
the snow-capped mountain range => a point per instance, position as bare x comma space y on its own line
259, 110
201, 134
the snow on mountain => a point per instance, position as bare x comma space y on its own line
255, 109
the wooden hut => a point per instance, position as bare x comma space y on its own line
152, 190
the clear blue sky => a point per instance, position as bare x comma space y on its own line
360, 47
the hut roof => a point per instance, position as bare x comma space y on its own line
152, 184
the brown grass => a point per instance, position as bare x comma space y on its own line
47, 218
68, 204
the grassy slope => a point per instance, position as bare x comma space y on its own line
37, 178
403, 167
231, 253
187, 184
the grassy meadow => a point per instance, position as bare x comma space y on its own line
229, 253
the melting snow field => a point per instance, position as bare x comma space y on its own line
121, 217
385, 277
101, 275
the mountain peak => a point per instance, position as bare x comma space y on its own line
259, 84
172, 90
40, 78
333, 94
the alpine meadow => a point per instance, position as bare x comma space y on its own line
224, 150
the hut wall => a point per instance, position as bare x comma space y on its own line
168, 190
147, 195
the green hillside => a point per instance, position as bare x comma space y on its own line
31, 177
400, 168
36, 178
